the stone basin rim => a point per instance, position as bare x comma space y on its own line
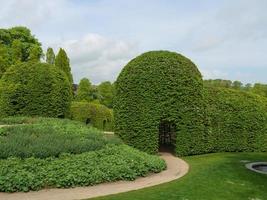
251, 166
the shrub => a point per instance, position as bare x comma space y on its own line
109, 164
34, 89
235, 121
95, 114
159, 86
50, 137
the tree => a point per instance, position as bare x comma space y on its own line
106, 91
260, 89
50, 56
84, 92
4, 59
17, 45
237, 85
62, 62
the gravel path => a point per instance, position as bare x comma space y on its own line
176, 168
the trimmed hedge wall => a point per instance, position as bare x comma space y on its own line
95, 114
235, 121
157, 86
34, 89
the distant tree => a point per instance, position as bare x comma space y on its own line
4, 59
106, 91
62, 62
248, 87
50, 56
237, 85
17, 51
218, 83
17, 45
260, 89
84, 92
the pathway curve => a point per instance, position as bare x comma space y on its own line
176, 168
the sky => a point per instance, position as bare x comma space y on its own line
226, 39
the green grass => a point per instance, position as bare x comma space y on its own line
219, 176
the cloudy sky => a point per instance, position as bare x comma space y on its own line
225, 38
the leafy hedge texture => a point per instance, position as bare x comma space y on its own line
94, 114
236, 121
34, 89
109, 164
157, 86
50, 138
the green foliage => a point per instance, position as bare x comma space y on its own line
159, 86
112, 163
63, 63
106, 91
34, 89
17, 45
260, 89
50, 56
94, 114
84, 92
50, 138
236, 121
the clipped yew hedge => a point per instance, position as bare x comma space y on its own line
156, 86
235, 120
34, 89
94, 114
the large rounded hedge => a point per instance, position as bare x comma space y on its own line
34, 89
94, 114
160, 86
235, 121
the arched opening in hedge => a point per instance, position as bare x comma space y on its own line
88, 121
167, 135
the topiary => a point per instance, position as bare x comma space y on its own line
93, 114
34, 89
155, 88
235, 120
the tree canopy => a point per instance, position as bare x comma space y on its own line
17, 45
63, 63
106, 92
50, 56
84, 92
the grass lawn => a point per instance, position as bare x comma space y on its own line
220, 176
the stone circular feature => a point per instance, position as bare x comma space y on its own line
260, 167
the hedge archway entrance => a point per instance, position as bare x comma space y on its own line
167, 136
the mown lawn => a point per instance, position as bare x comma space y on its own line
220, 176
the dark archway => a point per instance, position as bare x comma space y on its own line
167, 136
104, 124
88, 121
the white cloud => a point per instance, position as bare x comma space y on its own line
98, 58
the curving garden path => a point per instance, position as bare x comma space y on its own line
176, 168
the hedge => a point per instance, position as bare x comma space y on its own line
34, 89
235, 121
154, 87
112, 163
94, 114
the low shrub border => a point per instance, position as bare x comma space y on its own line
109, 164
